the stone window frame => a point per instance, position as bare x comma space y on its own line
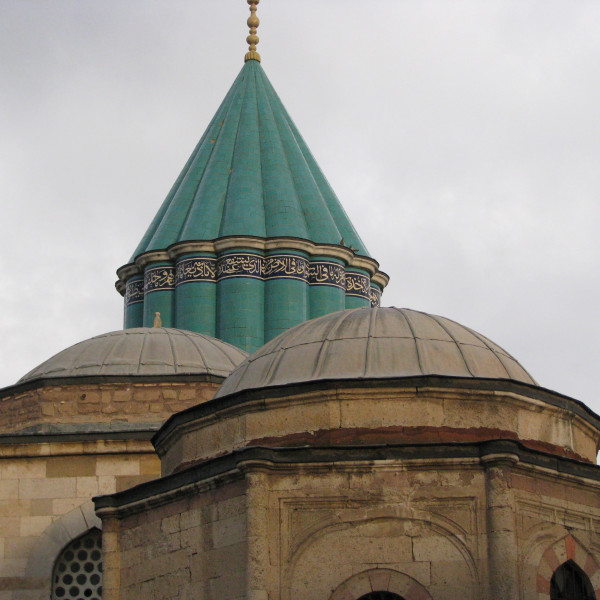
55, 538
565, 549
381, 580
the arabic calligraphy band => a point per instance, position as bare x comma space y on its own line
196, 269
134, 292
375, 297
253, 265
358, 285
158, 279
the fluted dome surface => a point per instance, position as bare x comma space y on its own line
374, 343
251, 174
142, 351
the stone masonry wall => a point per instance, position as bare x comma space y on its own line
43, 488
194, 547
426, 523
355, 416
557, 519
100, 403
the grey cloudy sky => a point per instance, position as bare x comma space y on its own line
461, 136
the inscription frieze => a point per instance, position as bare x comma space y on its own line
286, 266
247, 264
134, 292
327, 273
240, 265
196, 269
358, 285
375, 297
158, 279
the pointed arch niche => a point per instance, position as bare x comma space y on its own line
567, 568
381, 584
569, 582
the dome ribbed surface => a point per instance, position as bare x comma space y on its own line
142, 351
374, 343
251, 174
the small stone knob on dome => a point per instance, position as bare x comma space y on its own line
157, 320
252, 39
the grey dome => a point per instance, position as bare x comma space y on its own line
142, 351
374, 343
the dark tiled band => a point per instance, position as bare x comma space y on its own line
157, 279
327, 273
247, 264
358, 285
196, 269
286, 266
243, 264
134, 292
375, 297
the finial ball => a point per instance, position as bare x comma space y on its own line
252, 39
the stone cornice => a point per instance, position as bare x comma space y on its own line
151, 257
220, 245
66, 443
315, 391
381, 279
20, 388
63, 444
182, 248
234, 465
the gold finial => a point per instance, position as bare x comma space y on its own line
252, 39
157, 320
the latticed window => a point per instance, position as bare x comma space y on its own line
381, 596
78, 570
569, 582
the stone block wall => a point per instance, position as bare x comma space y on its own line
45, 502
347, 415
426, 524
459, 522
193, 547
557, 519
106, 403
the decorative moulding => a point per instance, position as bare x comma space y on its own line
265, 245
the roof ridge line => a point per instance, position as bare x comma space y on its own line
456, 342
286, 122
270, 97
412, 331
234, 145
163, 209
285, 175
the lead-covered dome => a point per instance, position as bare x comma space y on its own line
142, 351
374, 343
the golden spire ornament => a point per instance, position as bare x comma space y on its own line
252, 39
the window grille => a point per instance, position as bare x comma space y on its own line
78, 569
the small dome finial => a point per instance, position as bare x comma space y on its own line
157, 320
252, 39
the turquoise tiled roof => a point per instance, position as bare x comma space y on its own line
251, 174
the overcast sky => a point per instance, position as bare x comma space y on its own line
462, 137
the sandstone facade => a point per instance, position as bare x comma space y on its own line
63, 443
487, 509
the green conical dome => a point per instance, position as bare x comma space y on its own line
251, 174
251, 239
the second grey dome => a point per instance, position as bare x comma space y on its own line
374, 343
143, 352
